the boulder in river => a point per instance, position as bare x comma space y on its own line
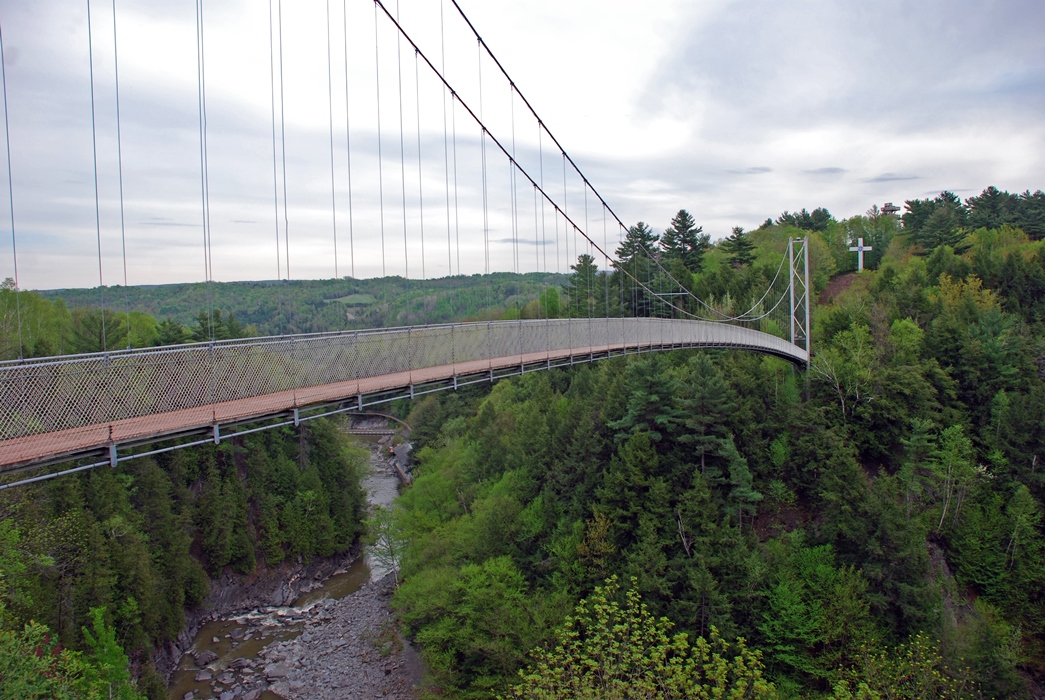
205, 657
277, 670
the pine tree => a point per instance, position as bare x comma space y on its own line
581, 289
742, 495
685, 241
170, 332
705, 403
739, 248
98, 330
650, 406
640, 242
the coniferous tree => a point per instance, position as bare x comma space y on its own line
742, 494
818, 220
639, 243
934, 222
98, 330
705, 404
739, 248
582, 288
637, 269
992, 208
170, 332
1031, 214
650, 404
685, 241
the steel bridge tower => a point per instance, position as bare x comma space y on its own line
798, 285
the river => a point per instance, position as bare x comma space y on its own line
226, 657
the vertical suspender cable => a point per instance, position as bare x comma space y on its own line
514, 198
537, 246
348, 147
380, 160
446, 151
402, 145
204, 168
606, 259
119, 166
330, 113
97, 205
420, 184
516, 262
283, 137
457, 211
591, 279
566, 239
11, 197
486, 213
558, 245
275, 176
446, 163
540, 154
620, 280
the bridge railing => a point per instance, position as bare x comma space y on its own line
58, 393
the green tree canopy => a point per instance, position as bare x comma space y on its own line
818, 220
606, 651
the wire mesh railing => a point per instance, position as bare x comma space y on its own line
53, 394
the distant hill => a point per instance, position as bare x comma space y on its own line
311, 306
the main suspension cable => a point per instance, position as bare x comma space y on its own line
486, 134
567, 157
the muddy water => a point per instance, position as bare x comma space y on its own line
382, 487
237, 641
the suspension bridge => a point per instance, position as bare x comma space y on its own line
475, 170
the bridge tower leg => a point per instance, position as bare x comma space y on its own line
798, 290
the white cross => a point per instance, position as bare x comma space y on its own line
859, 249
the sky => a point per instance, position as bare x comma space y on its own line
733, 110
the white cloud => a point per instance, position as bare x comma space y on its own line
733, 110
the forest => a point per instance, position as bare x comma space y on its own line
127, 551
68, 321
870, 530
687, 523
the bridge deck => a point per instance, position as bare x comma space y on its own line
123, 374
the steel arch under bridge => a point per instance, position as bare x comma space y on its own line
59, 408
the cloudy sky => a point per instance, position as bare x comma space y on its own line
733, 110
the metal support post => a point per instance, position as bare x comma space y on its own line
809, 346
791, 282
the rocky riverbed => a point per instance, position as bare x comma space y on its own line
337, 641
347, 648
